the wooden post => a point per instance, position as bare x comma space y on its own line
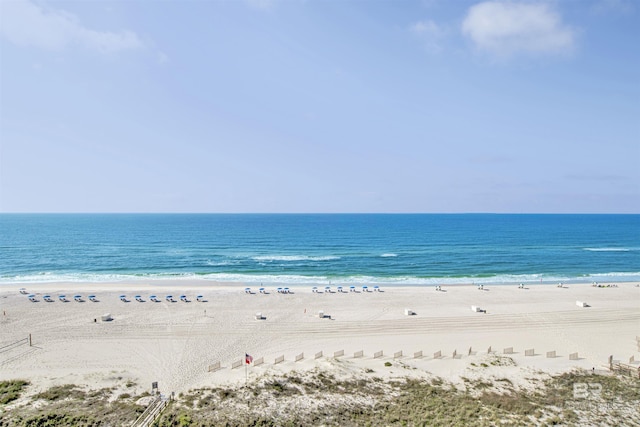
611, 362
29, 340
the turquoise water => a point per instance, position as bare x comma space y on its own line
301, 249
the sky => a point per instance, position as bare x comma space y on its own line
269, 106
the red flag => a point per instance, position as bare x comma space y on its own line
248, 359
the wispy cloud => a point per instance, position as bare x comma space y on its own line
504, 28
430, 33
28, 24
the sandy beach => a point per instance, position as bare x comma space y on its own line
176, 343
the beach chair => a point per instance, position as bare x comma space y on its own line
279, 290
78, 298
376, 288
365, 288
33, 298
139, 298
23, 291
47, 298
123, 298
247, 290
93, 298
340, 289
184, 298
352, 288
63, 298
314, 289
169, 298
327, 289
262, 290
286, 291
154, 298
200, 298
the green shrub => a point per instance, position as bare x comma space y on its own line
10, 390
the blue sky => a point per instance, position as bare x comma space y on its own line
320, 106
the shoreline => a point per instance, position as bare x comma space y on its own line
188, 283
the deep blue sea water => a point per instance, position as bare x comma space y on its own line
320, 248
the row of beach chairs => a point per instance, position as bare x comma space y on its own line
123, 298
63, 298
168, 298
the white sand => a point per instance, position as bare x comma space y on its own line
174, 343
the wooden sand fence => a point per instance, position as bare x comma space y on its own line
623, 368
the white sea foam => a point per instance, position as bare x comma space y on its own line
389, 255
610, 249
293, 280
293, 258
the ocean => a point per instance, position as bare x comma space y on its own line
389, 249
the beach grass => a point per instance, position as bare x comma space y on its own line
321, 398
